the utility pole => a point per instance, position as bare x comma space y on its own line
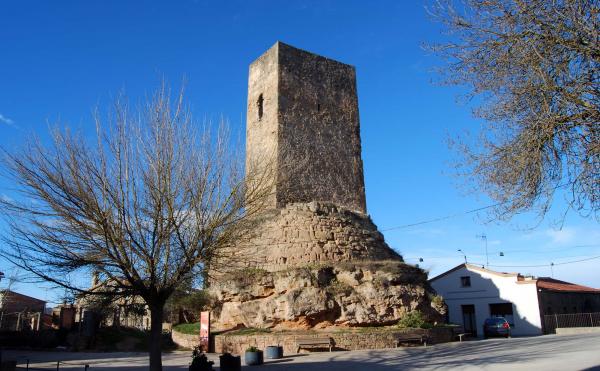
487, 259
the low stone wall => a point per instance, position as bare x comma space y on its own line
577, 330
185, 340
343, 340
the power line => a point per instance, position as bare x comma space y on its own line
546, 250
546, 265
441, 218
450, 216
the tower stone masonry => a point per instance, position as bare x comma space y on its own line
303, 116
315, 258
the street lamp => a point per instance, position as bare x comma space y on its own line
465, 256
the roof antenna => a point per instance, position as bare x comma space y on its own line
462, 252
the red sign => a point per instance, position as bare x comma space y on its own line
204, 330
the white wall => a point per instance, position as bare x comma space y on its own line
490, 288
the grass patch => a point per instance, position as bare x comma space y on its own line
246, 276
339, 288
249, 331
188, 328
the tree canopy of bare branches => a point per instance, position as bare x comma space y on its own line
534, 66
152, 203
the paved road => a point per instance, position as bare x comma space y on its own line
551, 352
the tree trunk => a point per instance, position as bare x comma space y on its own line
156, 319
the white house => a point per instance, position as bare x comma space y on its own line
473, 294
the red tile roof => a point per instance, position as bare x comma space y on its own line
548, 283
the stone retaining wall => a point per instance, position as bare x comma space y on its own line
185, 340
237, 344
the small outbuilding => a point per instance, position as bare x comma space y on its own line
473, 294
19, 312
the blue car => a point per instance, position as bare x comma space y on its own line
496, 326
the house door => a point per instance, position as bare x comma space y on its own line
469, 323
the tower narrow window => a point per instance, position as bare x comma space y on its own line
318, 107
259, 104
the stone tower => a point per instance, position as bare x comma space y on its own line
303, 118
315, 258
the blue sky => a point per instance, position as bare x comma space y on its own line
60, 59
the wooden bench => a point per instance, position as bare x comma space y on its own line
312, 342
406, 338
459, 332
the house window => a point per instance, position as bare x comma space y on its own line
503, 310
259, 104
465, 281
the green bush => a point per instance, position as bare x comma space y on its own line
252, 349
412, 319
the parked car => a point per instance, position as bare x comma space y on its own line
496, 326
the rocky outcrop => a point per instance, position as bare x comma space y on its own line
341, 294
316, 265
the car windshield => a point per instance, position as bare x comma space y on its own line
495, 320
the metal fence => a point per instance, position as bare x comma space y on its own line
554, 321
50, 366
20, 321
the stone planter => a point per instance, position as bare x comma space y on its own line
274, 352
254, 358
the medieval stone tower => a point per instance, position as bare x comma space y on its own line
315, 259
303, 111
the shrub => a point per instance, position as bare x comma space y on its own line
199, 360
412, 319
437, 300
252, 349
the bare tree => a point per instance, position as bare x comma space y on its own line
534, 66
154, 202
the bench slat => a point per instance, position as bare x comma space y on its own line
300, 342
423, 339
